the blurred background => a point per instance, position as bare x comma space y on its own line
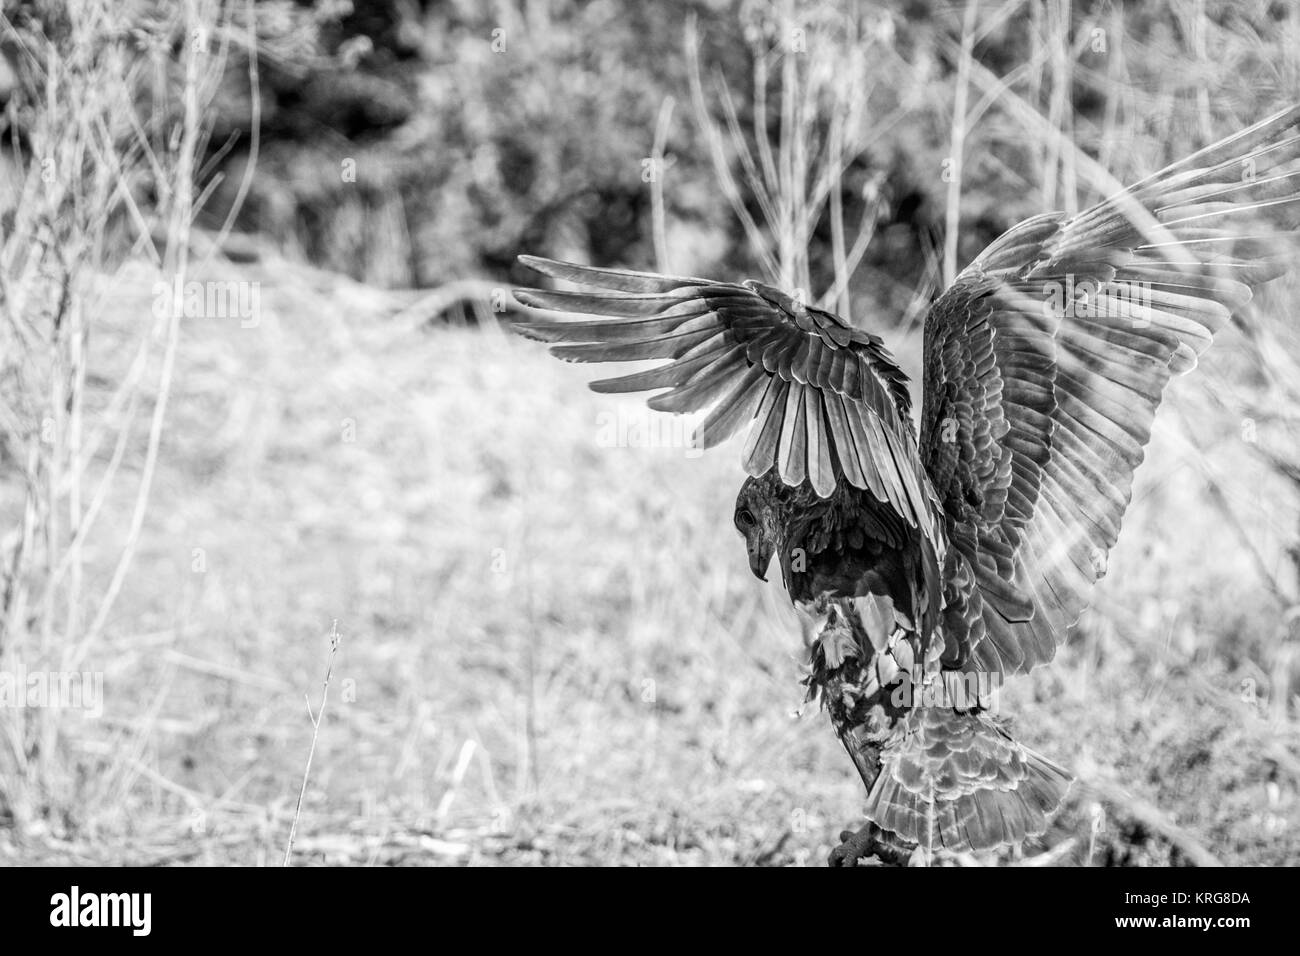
255, 396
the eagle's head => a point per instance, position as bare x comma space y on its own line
760, 511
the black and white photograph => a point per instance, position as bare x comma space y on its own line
705, 433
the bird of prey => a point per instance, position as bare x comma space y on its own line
934, 562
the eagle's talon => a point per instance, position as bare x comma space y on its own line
856, 846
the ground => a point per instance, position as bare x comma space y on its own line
552, 650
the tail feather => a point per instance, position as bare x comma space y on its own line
959, 781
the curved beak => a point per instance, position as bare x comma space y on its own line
760, 556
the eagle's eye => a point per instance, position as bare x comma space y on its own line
744, 519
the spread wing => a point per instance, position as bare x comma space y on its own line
1045, 362
825, 399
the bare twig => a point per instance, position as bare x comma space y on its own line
657, 170
1151, 817
957, 148
315, 733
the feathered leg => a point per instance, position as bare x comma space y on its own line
870, 840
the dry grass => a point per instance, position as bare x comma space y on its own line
553, 649
67, 419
